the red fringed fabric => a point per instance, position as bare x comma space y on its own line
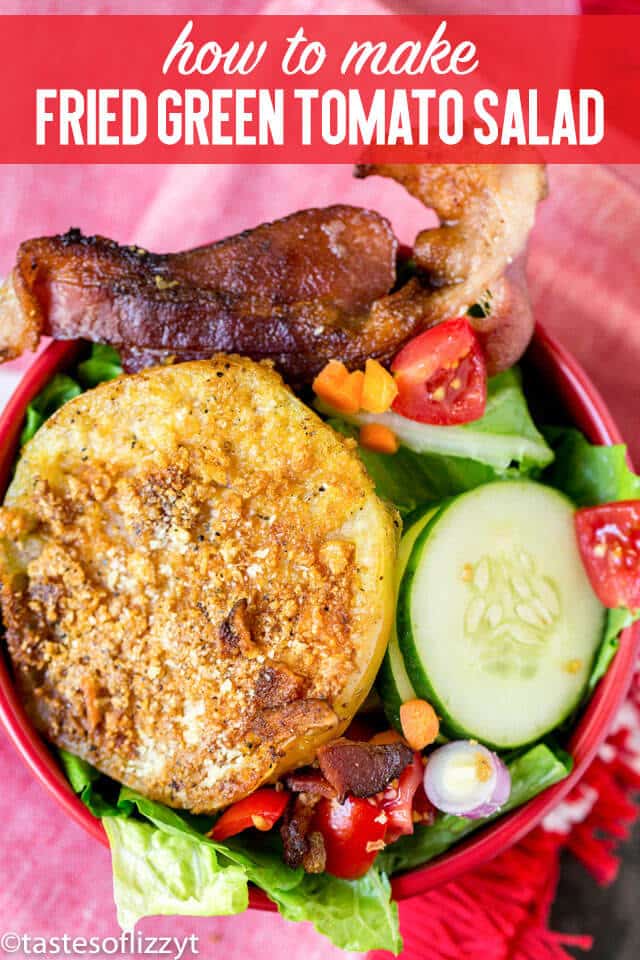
501, 910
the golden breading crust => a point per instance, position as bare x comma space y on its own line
196, 580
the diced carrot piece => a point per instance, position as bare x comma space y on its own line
356, 386
388, 736
377, 437
379, 389
332, 376
420, 724
339, 388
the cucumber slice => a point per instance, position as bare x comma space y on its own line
393, 683
497, 621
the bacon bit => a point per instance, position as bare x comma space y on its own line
378, 437
362, 769
420, 724
315, 858
310, 782
379, 389
295, 830
375, 845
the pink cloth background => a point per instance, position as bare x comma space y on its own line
585, 279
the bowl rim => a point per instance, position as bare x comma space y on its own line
585, 404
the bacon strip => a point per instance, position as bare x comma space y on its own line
486, 213
300, 291
296, 291
362, 769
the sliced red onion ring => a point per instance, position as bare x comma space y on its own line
467, 779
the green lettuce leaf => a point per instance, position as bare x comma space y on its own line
158, 872
531, 772
59, 389
164, 864
504, 443
354, 914
102, 364
589, 474
94, 789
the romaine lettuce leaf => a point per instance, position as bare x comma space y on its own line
164, 864
59, 389
531, 772
354, 914
103, 363
97, 792
589, 474
157, 872
504, 443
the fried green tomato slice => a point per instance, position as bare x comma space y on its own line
196, 580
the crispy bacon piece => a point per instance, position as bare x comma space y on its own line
362, 769
486, 212
300, 291
302, 846
297, 291
309, 781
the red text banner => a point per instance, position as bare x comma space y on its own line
295, 89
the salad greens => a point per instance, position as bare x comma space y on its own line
103, 363
163, 862
59, 389
533, 771
504, 443
589, 474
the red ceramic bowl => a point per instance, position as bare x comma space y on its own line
574, 399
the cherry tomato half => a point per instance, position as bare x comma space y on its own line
260, 810
353, 834
441, 375
609, 540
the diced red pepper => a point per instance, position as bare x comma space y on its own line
260, 810
398, 801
